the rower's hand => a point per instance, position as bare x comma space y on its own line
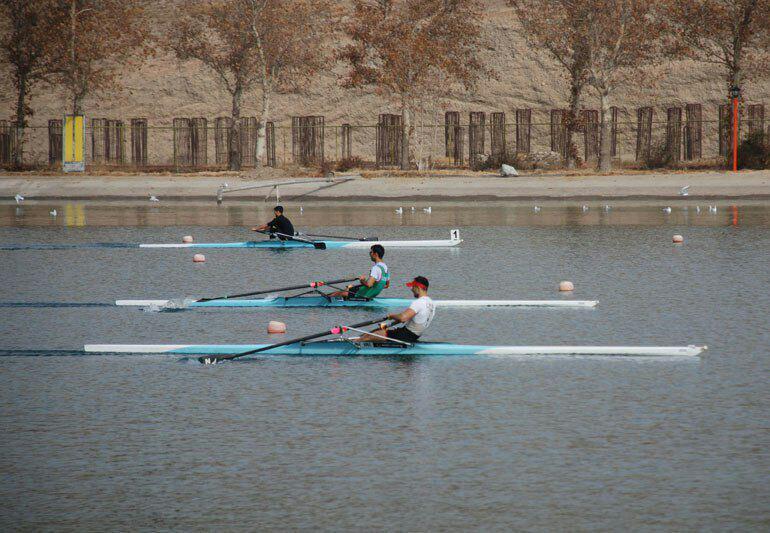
361, 278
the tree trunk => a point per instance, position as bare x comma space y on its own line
261, 134
234, 150
21, 122
605, 131
576, 87
406, 125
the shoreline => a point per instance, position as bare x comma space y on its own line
744, 185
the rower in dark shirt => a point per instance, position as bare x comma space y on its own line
280, 224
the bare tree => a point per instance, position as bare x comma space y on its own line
407, 49
95, 39
622, 38
559, 27
254, 42
734, 34
26, 45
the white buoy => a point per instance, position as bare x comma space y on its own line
678, 239
187, 239
536, 209
667, 210
585, 209
199, 258
276, 327
566, 286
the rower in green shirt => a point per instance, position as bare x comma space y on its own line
373, 284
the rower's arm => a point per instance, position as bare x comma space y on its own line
367, 280
404, 316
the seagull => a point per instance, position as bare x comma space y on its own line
154, 199
667, 210
19, 198
427, 209
52, 212
536, 209
225, 185
607, 207
697, 209
412, 208
400, 210
300, 209
585, 209
712, 209
683, 190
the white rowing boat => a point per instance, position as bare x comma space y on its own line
276, 244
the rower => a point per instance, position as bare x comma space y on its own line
372, 284
414, 320
279, 224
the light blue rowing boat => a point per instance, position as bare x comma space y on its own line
322, 301
348, 348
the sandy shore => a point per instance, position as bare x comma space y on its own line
706, 185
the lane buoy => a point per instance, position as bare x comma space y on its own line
187, 239
566, 286
276, 327
199, 258
678, 239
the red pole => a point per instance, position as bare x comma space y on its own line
735, 134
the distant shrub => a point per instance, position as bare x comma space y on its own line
659, 156
754, 152
348, 163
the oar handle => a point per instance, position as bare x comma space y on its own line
312, 285
208, 360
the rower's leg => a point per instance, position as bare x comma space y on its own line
381, 331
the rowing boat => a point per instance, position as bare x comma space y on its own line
276, 244
348, 348
323, 301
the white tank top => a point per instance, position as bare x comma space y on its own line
424, 310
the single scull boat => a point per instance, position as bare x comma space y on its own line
323, 301
349, 348
454, 240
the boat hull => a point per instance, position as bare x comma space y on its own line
276, 244
320, 301
342, 348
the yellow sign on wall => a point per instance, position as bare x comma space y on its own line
74, 143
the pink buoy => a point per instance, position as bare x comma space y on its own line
678, 239
566, 286
199, 258
187, 239
276, 327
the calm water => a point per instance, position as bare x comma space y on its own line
149, 442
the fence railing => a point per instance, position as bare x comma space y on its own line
644, 136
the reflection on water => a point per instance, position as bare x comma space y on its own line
690, 213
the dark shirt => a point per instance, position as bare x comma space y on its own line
281, 224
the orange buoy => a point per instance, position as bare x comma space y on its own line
566, 286
199, 258
187, 239
276, 327
678, 239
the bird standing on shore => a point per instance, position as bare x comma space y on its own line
19, 198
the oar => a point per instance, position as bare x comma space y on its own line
318, 245
312, 285
209, 360
342, 237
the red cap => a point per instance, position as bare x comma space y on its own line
419, 281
